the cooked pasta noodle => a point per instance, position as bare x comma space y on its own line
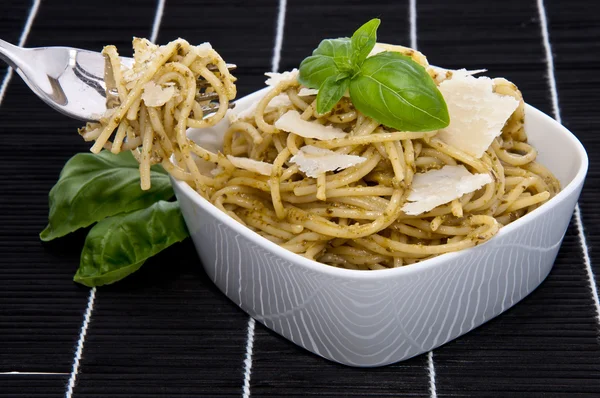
151, 105
351, 218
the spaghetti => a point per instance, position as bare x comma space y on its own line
152, 104
350, 218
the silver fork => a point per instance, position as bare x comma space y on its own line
71, 80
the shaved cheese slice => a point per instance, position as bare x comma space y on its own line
275, 78
282, 100
216, 171
307, 91
436, 187
232, 116
477, 114
251, 165
311, 91
144, 52
293, 123
440, 74
156, 95
204, 49
416, 56
314, 161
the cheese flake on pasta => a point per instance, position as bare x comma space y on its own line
436, 187
275, 78
477, 114
314, 161
251, 165
157, 95
293, 123
281, 100
307, 91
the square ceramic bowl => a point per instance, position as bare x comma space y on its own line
374, 318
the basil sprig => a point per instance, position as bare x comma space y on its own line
388, 87
131, 225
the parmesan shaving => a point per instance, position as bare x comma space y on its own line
416, 56
251, 165
232, 117
282, 100
441, 74
477, 114
292, 122
314, 161
156, 95
216, 171
307, 91
311, 91
144, 52
275, 78
436, 187
204, 49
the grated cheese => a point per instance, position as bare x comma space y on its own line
293, 123
314, 161
251, 165
477, 114
436, 187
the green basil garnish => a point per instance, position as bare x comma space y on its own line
132, 225
93, 187
388, 87
397, 92
119, 245
329, 59
363, 41
331, 91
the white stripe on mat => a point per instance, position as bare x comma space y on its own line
33, 373
556, 110
278, 36
84, 327
431, 371
9, 73
274, 68
160, 7
412, 16
248, 358
92, 297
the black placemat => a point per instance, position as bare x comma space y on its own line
167, 331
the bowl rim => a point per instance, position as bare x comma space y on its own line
316, 266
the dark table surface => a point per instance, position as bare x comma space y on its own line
167, 331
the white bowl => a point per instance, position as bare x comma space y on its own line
374, 318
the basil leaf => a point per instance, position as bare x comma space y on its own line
93, 187
331, 92
398, 92
329, 59
338, 49
315, 69
363, 40
118, 246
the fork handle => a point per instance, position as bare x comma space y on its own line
10, 54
